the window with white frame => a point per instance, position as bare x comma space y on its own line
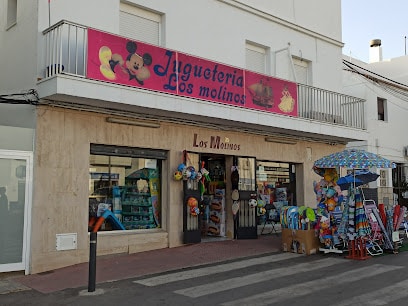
301, 68
382, 109
11, 13
140, 24
256, 58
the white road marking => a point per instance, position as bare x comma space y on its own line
382, 296
310, 287
254, 278
183, 275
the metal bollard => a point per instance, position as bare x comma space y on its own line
92, 262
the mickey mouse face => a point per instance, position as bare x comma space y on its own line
134, 63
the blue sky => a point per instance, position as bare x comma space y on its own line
364, 20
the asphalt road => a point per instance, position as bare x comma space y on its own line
274, 279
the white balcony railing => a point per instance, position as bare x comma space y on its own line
327, 106
65, 52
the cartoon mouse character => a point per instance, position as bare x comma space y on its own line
134, 66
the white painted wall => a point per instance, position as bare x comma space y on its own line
216, 30
18, 48
387, 138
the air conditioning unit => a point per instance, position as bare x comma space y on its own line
406, 151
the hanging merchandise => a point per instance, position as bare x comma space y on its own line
195, 211
292, 217
329, 197
181, 167
381, 209
354, 228
363, 228
387, 241
235, 203
328, 174
395, 217
325, 232
235, 192
234, 177
187, 173
203, 177
253, 200
205, 173
307, 217
193, 204
178, 175
401, 217
235, 208
328, 193
216, 224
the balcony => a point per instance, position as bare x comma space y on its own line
327, 106
66, 54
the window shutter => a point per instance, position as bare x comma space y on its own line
255, 58
301, 71
139, 25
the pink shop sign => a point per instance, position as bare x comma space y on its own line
119, 60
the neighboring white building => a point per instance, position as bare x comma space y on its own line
384, 85
251, 84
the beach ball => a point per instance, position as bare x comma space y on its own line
192, 202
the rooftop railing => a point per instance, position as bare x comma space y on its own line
65, 52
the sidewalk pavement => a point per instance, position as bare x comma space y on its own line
119, 267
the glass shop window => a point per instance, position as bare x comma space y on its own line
124, 193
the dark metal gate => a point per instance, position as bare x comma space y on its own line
246, 218
191, 192
246, 221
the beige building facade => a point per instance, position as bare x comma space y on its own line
61, 180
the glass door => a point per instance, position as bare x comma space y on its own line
15, 204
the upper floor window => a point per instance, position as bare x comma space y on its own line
293, 68
256, 58
140, 24
301, 68
382, 109
11, 13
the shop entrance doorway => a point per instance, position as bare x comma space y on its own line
215, 200
210, 194
214, 206
217, 203
15, 191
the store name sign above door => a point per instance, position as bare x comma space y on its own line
215, 142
